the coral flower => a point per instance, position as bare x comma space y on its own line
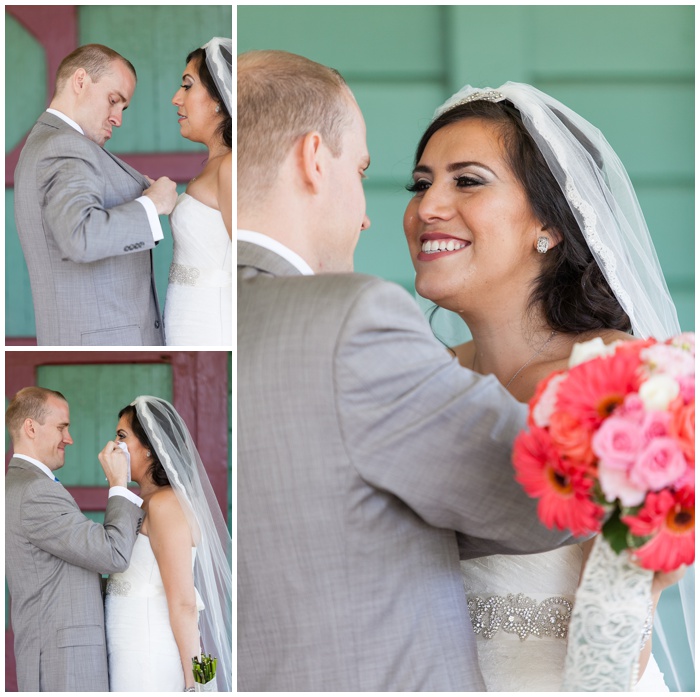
682, 428
670, 518
596, 388
563, 490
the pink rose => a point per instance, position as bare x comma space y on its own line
655, 425
617, 485
659, 465
617, 443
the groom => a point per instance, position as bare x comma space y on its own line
86, 220
54, 555
368, 459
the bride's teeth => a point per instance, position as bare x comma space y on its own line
430, 247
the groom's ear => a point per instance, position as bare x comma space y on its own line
79, 80
28, 428
311, 156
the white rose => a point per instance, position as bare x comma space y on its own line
588, 350
658, 392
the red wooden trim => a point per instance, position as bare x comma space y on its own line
20, 340
178, 166
10, 668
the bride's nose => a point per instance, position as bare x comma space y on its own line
175, 101
434, 204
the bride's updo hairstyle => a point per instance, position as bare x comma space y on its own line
571, 289
156, 469
225, 129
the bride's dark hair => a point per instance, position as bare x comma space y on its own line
571, 289
156, 469
225, 129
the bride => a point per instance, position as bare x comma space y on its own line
174, 600
199, 299
524, 223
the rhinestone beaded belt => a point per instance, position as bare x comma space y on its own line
192, 276
521, 615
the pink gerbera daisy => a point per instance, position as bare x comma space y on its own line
562, 488
670, 518
597, 387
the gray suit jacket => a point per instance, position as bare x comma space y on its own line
54, 556
86, 241
367, 460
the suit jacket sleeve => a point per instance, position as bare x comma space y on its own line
86, 227
53, 522
437, 436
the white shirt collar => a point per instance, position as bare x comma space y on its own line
67, 119
277, 247
40, 465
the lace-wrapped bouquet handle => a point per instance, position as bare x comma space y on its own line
610, 449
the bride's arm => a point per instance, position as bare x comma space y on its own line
225, 192
171, 541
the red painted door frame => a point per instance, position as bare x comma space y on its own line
200, 395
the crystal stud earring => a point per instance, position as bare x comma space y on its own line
542, 244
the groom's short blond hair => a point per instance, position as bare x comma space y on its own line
282, 97
95, 59
28, 403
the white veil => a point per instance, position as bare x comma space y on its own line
178, 454
602, 199
219, 56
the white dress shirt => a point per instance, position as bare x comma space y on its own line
146, 202
113, 491
277, 247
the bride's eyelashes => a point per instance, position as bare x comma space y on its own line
418, 186
463, 182
185, 87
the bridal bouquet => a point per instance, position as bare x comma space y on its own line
611, 449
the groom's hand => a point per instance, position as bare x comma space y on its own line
163, 194
113, 461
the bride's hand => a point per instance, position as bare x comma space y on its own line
113, 461
664, 580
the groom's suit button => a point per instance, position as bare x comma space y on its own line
132, 247
157, 324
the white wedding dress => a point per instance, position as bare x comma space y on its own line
141, 648
520, 607
199, 299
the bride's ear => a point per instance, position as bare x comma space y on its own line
547, 238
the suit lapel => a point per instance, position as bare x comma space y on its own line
54, 121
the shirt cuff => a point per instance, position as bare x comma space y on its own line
123, 491
152, 214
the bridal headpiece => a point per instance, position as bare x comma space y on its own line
219, 57
601, 197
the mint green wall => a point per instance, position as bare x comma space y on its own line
628, 69
156, 39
